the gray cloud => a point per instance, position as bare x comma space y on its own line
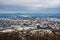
32, 5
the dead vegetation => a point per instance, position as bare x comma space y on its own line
28, 36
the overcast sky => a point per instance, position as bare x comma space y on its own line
30, 6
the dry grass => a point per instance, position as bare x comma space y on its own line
35, 36
10, 36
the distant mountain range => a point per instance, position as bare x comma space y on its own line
30, 15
